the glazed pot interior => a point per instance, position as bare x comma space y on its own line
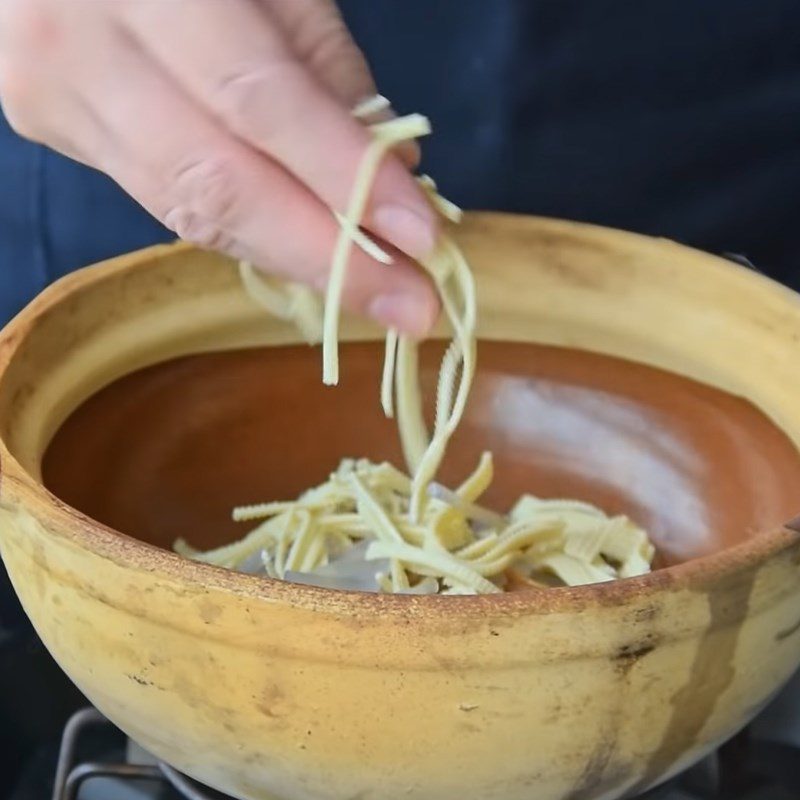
166, 452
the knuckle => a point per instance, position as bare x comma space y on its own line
333, 43
207, 186
205, 202
248, 98
31, 24
192, 228
28, 30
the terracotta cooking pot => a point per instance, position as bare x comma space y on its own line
267, 689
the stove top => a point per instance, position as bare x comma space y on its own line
96, 762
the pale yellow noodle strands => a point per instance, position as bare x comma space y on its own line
369, 526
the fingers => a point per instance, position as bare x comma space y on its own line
43, 76
320, 39
217, 192
72, 77
255, 84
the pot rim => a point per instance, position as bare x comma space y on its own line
62, 520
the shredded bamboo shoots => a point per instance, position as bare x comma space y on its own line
370, 527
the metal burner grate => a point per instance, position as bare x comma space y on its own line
740, 770
71, 775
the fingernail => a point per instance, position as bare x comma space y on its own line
409, 153
794, 524
403, 312
373, 108
410, 231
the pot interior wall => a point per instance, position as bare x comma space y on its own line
168, 450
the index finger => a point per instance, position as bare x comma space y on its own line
251, 80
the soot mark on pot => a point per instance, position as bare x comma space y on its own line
646, 614
144, 681
596, 778
628, 655
272, 703
787, 632
470, 728
711, 673
209, 612
599, 775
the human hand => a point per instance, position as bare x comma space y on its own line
228, 120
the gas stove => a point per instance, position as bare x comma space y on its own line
96, 762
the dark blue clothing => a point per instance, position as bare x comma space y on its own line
679, 118
57, 215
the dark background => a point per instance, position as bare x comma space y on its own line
678, 118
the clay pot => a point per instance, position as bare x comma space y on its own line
267, 689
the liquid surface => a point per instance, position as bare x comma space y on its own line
166, 452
